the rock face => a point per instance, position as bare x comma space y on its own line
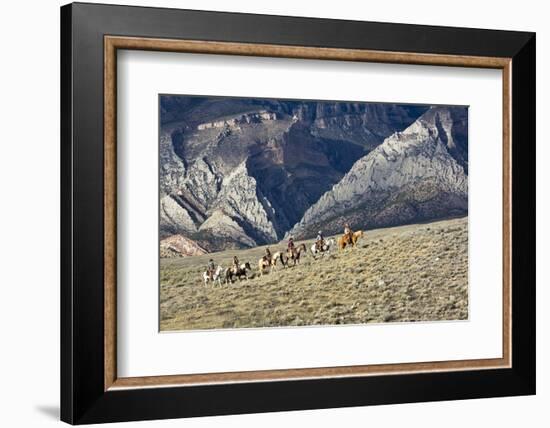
238, 173
234, 122
227, 231
174, 217
240, 200
179, 246
415, 175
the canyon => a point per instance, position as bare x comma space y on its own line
237, 173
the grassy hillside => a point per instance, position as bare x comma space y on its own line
408, 273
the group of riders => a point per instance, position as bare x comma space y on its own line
211, 268
291, 248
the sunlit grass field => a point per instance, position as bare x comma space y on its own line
409, 273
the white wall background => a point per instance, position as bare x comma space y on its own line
29, 213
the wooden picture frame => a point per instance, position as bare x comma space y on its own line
91, 390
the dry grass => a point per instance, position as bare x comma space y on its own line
409, 273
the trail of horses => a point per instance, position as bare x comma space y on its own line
408, 273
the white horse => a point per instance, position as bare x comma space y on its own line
279, 256
264, 264
324, 250
216, 277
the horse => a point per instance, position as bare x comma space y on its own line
356, 235
239, 272
279, 256
324, 250
294, 254
216, 276
345, 240
263, 263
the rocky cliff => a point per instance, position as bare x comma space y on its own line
415, 175
238, 173
179, 246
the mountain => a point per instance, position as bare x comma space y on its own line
415, 175
179, 246
238, 173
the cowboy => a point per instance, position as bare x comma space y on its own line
291, 245
210, 269
235, 264
348, 233
319, 241
267, 256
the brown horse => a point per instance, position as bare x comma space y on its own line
237, 272
295, 254
345, 240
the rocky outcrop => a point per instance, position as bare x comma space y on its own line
241, 200
234, 122
172, 168
201, 185
294, 170
415, 175
367, 124
242, 172
179, 246
226, 230
174, 218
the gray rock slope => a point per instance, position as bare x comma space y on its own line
239, 173
415, 175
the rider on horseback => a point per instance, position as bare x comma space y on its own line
348, 233
291, 248
210, 269
235, 264
291, 244
267, 256
319, 241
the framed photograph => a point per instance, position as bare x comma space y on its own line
266, 213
